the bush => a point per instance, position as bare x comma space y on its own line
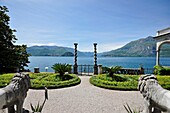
5, 79
164, 81
160, 70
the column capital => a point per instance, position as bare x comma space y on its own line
75, 43
95, 44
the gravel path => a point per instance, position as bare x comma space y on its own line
85, 98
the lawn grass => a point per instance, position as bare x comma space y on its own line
129, 82
40, 80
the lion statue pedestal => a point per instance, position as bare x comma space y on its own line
15, 93
156, 98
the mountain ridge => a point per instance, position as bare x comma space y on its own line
139, 48
54, 51
144, 47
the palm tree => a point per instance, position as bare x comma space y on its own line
113, 70
61, 68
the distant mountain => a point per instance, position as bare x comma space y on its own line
55, 51
145, 47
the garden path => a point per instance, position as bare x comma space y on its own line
85, 98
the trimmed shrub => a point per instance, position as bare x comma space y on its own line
164, 81
5, 79
160, 70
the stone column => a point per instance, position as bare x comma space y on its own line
75, 58
95, 59
157, 53
157, 57
36, 70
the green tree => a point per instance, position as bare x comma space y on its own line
21, 57
11, 56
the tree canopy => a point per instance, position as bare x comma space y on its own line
12, 57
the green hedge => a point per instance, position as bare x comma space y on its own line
160, 70
39, 80
164, 81
5, 79
53, 81
131, 82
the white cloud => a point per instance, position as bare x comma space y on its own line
110, 46
101, 47
43, 44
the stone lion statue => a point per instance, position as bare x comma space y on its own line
156, 98
15, 93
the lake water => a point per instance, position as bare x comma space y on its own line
126, 62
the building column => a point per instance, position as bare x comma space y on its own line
158, 44
95, 59
157, 57
75, 58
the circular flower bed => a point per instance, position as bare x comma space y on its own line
118, 82
124, 82
40, 80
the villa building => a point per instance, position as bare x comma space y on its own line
162, 37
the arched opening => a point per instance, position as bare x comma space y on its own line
163, 37
158, 48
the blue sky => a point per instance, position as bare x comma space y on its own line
110, 23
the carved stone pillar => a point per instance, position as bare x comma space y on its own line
95, 59
75, 58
